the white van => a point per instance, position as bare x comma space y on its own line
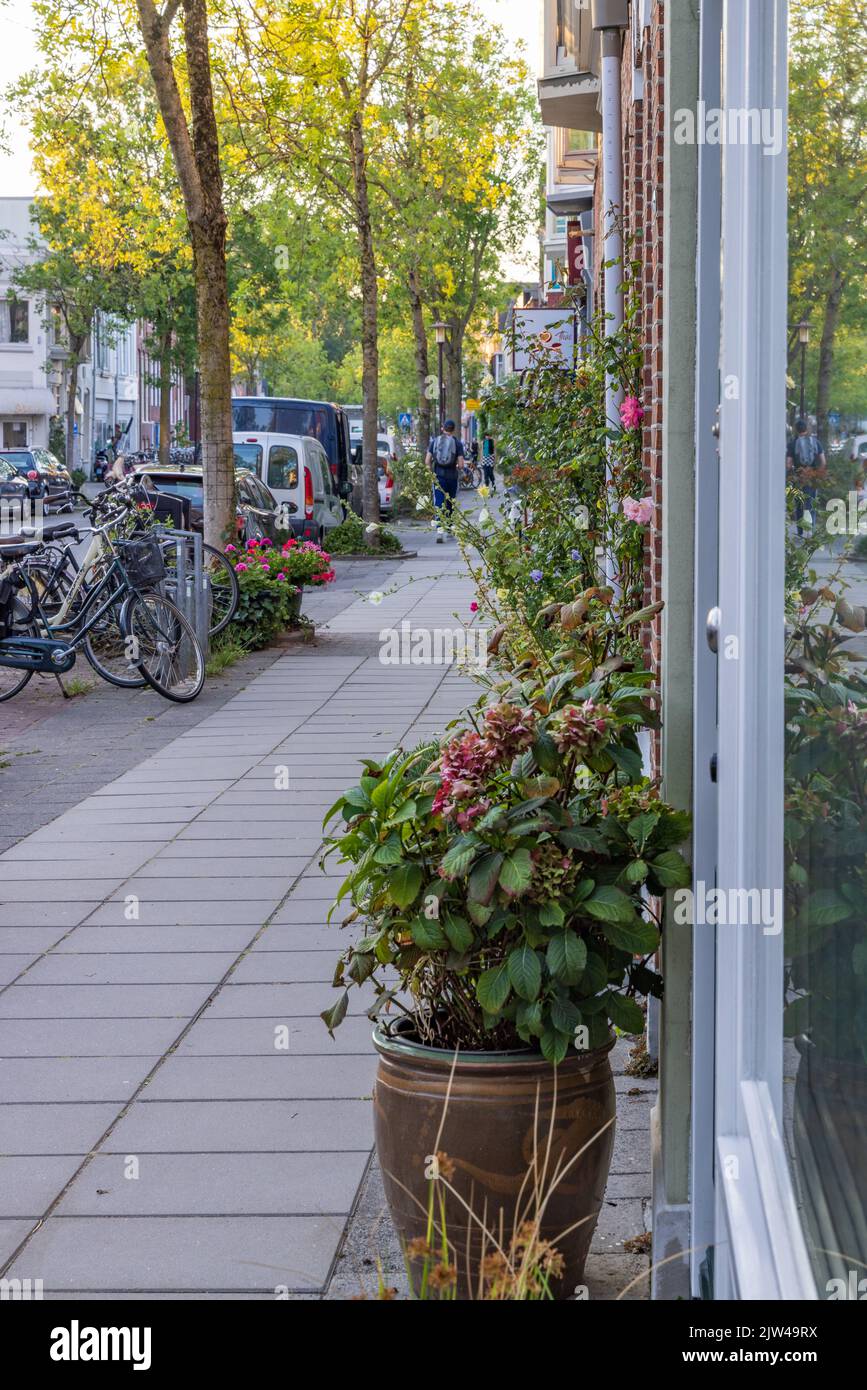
295, 468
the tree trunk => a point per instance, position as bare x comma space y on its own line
71, 388
369, 330
422, 365
826, 352
196, 154
165, 396
454, 360
215, 382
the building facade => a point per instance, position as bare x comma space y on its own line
759, 1138
117, 380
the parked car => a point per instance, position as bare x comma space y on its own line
256, 507
52, 484
14, 499
295, 469
256, 418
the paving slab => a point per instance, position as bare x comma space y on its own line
65, 1079
243, 1126
276, 1077
28, 1185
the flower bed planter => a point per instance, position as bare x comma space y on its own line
494, 1115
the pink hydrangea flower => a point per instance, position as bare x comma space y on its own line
230, 549
241, 568
631, 413
642, 511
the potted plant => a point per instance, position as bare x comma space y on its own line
506, 881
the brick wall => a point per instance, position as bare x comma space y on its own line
643, 151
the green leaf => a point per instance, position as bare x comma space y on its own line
528, 1018
567, 956
525, 972
610, 904
428, 934
460, 856
625, 1013
638, 937
391, 852
478, 913
643, 826
405, 812
361, 966
826, 907
516, 872
381, 794
459, 932
493, 988
595, 975
404, 883
546, 753
671, 870
333, 1017
565, 1016
483, 879
551, 915
636, 872
356, 796
554, 1045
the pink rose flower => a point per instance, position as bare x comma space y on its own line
631, 413
474, 608
230, 549
642, 511
241, 568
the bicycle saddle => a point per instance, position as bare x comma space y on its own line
16, 550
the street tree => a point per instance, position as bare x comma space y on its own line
828, 177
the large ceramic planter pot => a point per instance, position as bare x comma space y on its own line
498, 1119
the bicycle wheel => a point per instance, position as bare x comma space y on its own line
108, 652
477, 477
11, 679
165, 644
225, 591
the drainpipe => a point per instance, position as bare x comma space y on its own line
610, 18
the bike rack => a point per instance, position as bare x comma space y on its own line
193, 583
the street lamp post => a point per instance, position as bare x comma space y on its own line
440, 331
803, 339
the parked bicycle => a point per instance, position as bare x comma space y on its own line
130, 632
469, 474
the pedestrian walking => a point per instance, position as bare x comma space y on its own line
442, 456
805, 456
489, 455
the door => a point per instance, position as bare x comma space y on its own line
331, 505
282, 475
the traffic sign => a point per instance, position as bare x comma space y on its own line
404, 419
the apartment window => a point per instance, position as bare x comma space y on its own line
579, 140
14, 434
14, 320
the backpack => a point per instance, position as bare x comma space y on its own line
806, 450
445, 451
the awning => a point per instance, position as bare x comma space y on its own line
23, 400
570, 199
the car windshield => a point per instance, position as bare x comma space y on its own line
18, 460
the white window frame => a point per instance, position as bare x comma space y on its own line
760, 1251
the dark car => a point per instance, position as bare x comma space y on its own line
14, 499
256, 506
52, 483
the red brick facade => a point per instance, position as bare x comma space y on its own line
643, 154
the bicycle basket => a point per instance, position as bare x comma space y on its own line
143, 561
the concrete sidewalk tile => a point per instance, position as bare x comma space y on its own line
238, 1184
102, 1001
253, 1001
28, 1185
14, 940
243, 1126
270, 1037
251, 913
286, 967
171, 940
47, 1079
11, 1235
55, 1129
128, 967
278, 1077
88, 1037
46, 914
129, 1252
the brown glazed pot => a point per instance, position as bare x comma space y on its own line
498, 1117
